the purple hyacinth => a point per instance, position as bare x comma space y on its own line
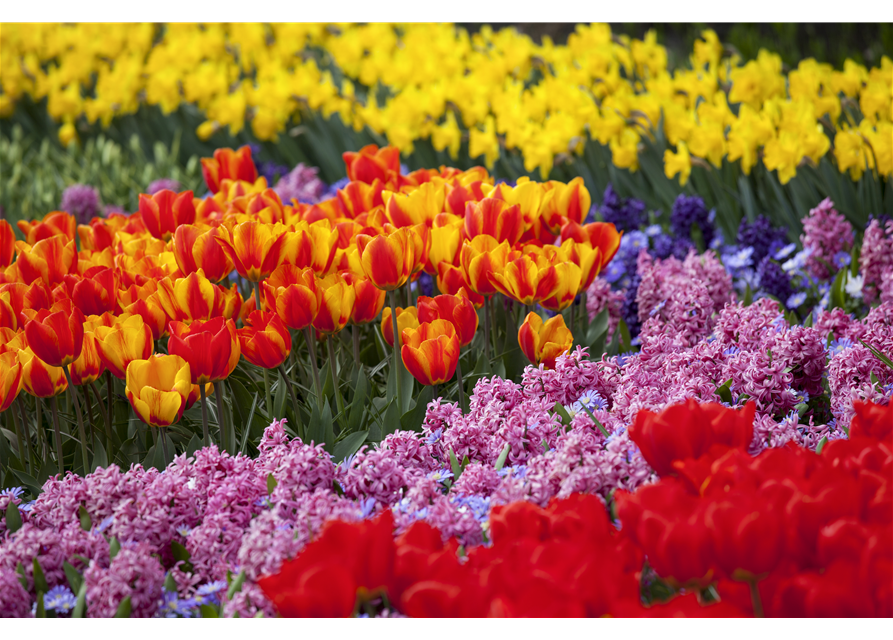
630, 310
81, 201
760, 235
690, 211
301, 183
626, 214
773, 279
162, 184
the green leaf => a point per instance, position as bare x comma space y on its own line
821, 444
595, 420
625, 340
877, 354
40, 581
597, 334
349, 445
279, 399
357, 405
86, 521
75, 579
208, 611
412, 420
41, 607
837, 298
503, 455
123, 608
13, 518
179, 552
33, 485
455, 467
724, 391
562, 412
271, 484
748, 296
169, 583
236, 585
195, 443
80, 607
247, 428
114, 548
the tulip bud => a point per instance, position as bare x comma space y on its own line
158, 387
335, 305
210, 347
542, 342
57, 334
265, 341
431, 352
128, 339
456, 309
228, 165
406, 319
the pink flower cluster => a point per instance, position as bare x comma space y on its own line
876, 261
826, 233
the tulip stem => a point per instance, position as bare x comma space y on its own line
755, 598
396, 352
294, 400
335, 379
221, 418
355, 336
164, 448
487, 328
27, 428
311, 348
58, 434
111, 395
82, 433
20, 440
459, 382
206, 434
573, 328
105, 418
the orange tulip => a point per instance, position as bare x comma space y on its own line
600, 235
528, 195
128, 339
8, 317
228, 165
210, 347
528, 279
431, 352
293, 293
388, 260
369, 299
22, 296
451, 280
164, 211
10, 379
54, 223
372, 163
407, 318
459, 195
543, 342
7, 244
97, 235
48, 260
335, 304
494, 218
565, 201
421, 241
56, 335
456, 309
158, 388
230, 302
94, 293
419, 206
143, 301
255, 248
265, 341
357, 198
195, 298
584, 256
483, 257
569, 278
196, 249
89, 366
312, 245
40, 379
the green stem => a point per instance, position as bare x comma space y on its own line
459, 382
82, 433
221, 417
206, 433
294, 401
355, 336
58, 434
164, 449
20, 440
311, 348
269, 395
110, 388
755, 599
335, 379
33, 458
105, 418
397, 360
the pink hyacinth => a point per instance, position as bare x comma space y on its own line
876, 258
826, 233
134, 572
600, 296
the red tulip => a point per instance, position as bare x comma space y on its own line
211, 348
165, 210
372, 163
265, 341
431, 352
56, 335
456, 309
228, 165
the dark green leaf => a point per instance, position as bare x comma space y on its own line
877, 354
40, 581
455, 467
123, 608
114, 548
74, 577
837, 297
724, 391
562, 412
41, 607
503, 455
84, 517
208, 611
349, 445
358, 404
412, 420
13, 518
179, 552
100, 458
271, 484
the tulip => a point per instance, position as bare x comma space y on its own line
128, 339
96, 292
293, 293
255, 248
357, 198
599, 235
570, 201
39, 378
569, 277
55, 223
584, 256
265, 341
48, 260
10, 380
210, 347
157, 388
542, 342
495, 218
407, 318
145, 302
196, 249
24, 297
388, 260
89, 366
96, 236
451, 280
192, 298
372, 163
456, 309
748, 536
312, 245
416, 207
369, 299
431, 352
164, 211
446, 244
7, 244
8, 317
56, 335
228, 165
526, 194
336, 304
528, 279
482, 257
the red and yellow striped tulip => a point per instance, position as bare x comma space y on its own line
569, 201
388, 260
158, 388
255, 248
459, 195
144, 302
407, 318
97, 235
56, 335
446, 244
335, 304
456, 309
228, 165
371, 163
8, 317
166, 210
312, 245
569, 279
128, 339
528, 279
40, 379
94, 293
419, 206
294, 294
543, 342
210, 347
431, 352
10, 378
369, 299
451, 280
483, 257
89, 366
27, 297
599, 235
265, 341
196, 249
357, 198
494, 218
7, 244
48, 260
196, 298
55, 223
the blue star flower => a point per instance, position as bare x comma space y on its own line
59, 599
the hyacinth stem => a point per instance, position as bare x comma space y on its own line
459, 382
221, 417
311, 348
755, 599
335, 380
20, 440
355, 336
294, 401
105, 418
396, 350
206, 434
487, 328
82, 433
58, 435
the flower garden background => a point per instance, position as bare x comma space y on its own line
433, 323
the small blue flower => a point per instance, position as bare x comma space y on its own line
172, 606
842, 259
739, 259
367, 508
105, 524
59, 599
13, 492
660, 305
25, 507
837, 346
210, 593
615, 271
797, 262
440, 475
434, 437
796, 300
592, 401
184, 531
654, 230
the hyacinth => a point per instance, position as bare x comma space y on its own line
876, 258
836, 322
826, 233
161, 184
773, 280
302, 184
761, 236
81, 201
600, 296
690, 211
627, 214
14, 600
134, 572
630, 310
886, 287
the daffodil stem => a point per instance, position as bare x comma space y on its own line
20, 440
487, 328
221, 417
459, 383
311, 348
82, 433
294, 401
335, 379
58, 436
206, 434
755, 599
396, 351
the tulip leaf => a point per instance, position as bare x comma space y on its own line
208, 611
877, 354
73, 575
504, 454
84, 517
724, 391
195, 443
562, 412
123, 608
821, 445
597, 334
279, 399
40, 610
169, 583
236, 585
412, 420
100, 457
179, 552
837, 297
40, 581
114, 548
748, 296
349, 445
455, 467
80, 607
625, 340
13, 517
358, 404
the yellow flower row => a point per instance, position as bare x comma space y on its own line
500, 86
